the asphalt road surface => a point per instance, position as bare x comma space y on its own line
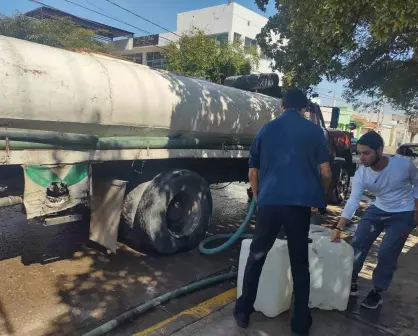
53, 282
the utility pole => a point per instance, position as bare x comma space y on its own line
380, 113
334, 99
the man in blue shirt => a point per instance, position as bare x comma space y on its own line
289, 173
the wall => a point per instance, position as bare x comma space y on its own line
264, 66
246, 22
326, 114
166, 38
230, 19
125, 44
344, 117
212, 20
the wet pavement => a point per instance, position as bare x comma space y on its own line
53, 282
221, 323
397, 316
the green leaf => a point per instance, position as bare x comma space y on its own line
372, 45
56, 32
196, 54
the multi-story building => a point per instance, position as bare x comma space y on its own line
227, 22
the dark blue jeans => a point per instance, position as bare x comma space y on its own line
397, 227
295, 221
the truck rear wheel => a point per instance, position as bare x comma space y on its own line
340, 189
173, 212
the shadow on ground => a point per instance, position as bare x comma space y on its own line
57, 284
398, 314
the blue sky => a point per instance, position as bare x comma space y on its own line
162, 12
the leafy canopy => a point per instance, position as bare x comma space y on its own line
196, 54
371, 44
57, 32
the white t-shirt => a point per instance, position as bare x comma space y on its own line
395, 187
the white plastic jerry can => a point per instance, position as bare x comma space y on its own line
330, 266
319, 230
275, 288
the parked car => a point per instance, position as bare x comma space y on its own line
410, 151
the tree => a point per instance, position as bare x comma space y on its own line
56, 32
370, 44
198, 55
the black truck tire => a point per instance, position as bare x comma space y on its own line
173, 212
340, 186
130, 205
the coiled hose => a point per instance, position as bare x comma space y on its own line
233, 237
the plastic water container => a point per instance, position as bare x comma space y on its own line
331, 266
276, 286
317, 230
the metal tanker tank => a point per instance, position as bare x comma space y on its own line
51, 89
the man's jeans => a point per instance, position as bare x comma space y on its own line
270, 219
398, 226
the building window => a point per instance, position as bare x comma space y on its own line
137, 58
237, 37
220, 38
249, 43
155, 60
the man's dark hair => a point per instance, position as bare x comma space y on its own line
296, 99
371, 139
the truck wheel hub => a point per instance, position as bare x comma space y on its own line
183, 214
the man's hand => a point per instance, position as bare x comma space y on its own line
336, 236
336, 233
326, 176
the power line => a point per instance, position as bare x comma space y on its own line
323, 91
322, 94
101, 9
116, 19
92, 10
325, 96
141, 17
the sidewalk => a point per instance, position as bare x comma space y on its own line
397, 317
221, 323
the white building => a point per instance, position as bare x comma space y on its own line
227, 22
393, 127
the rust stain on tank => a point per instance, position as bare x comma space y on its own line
32, 71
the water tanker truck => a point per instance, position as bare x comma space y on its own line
130, 148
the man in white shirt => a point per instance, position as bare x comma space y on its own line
394, 182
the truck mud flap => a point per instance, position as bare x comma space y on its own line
106, 206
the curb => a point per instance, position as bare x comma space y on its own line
173, 324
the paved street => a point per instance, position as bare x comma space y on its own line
52, 283
397, 317
221, 323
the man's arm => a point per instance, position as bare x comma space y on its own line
351, 206
413, 175
253, 177
254, 163
326, 175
